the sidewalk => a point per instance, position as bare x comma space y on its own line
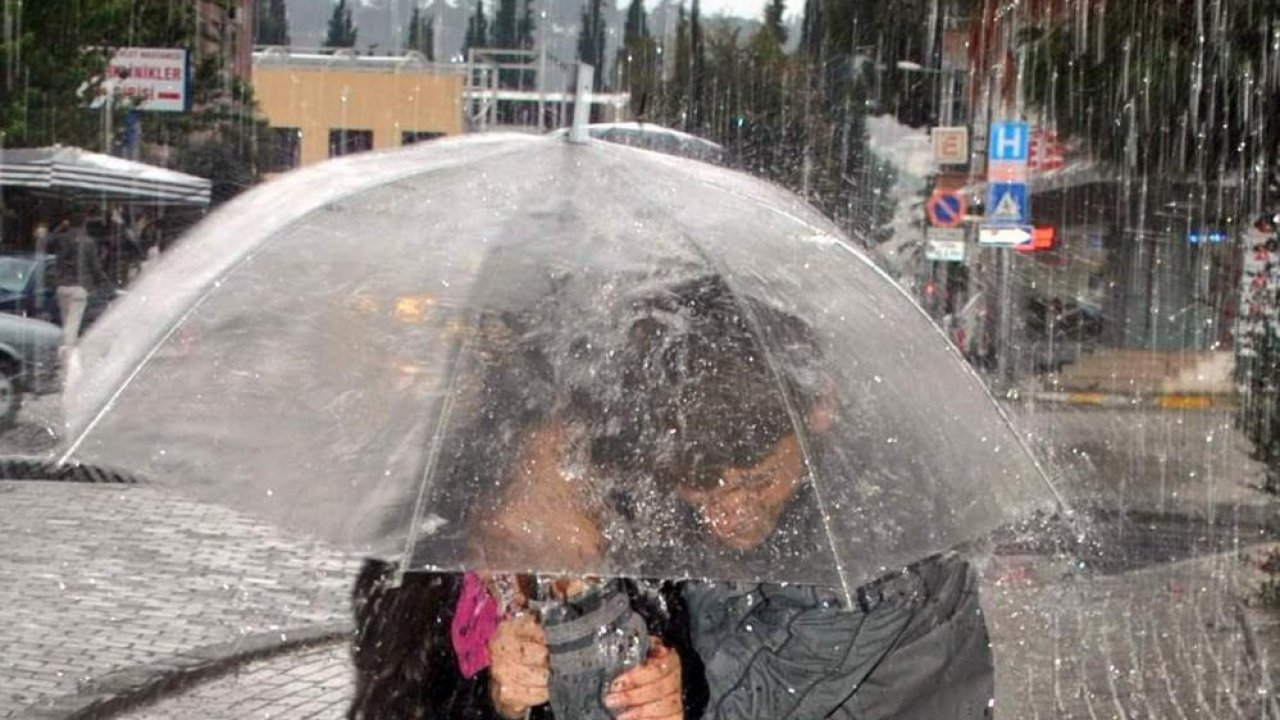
1166, 641
100, 579
1134, 379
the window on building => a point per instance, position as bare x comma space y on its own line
286, 149
409, 137
346, 141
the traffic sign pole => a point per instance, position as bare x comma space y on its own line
1006, 217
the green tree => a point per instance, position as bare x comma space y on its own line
272, 23
637, 61
54, 61
225, 142
477, 29
506, 31
1160, 92
678, 90
774, 25
421, 34
55, 56
591, 41
525, 25
342, 31
697, 67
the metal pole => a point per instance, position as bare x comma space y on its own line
582, 104
1010, 302
397, 38
436, 49
542, 68
106, 118
1004, 364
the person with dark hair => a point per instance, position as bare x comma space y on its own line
77, 272
482, 644
715, 417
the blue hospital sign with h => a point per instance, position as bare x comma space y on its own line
1009, 141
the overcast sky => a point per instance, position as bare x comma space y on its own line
741, 8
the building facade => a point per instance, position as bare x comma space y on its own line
226, 31
326, 105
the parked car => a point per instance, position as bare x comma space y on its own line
28, 362
26, 290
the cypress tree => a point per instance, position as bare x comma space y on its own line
342, 31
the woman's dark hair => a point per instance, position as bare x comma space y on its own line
709, 379
405, 666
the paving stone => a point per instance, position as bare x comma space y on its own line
117, 576
316, 686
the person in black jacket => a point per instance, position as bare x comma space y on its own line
77, 273
714, 418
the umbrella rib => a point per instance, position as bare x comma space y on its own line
861, 257
146, 359
1004, 416
433, 455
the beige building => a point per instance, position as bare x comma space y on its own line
325, 105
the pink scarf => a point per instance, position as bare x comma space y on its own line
475, 618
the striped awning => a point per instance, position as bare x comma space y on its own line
72, 172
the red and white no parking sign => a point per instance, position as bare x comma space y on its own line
945, 209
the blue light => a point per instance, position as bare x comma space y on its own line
1214, 237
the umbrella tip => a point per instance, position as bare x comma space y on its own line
582, 104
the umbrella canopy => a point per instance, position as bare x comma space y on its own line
73, 172
402, 352
656, 138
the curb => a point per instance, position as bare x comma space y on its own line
120, 690
1161, 401
44, 469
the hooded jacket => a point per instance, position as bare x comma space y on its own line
914, 648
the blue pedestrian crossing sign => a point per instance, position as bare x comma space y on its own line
1006, 204
1009, 142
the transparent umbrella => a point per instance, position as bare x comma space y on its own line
485, 352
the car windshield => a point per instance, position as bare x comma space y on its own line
15, 273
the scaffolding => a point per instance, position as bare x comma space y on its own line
507, 89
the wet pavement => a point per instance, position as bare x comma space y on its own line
96, 580
313, 683
1162, 642
1159, 643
